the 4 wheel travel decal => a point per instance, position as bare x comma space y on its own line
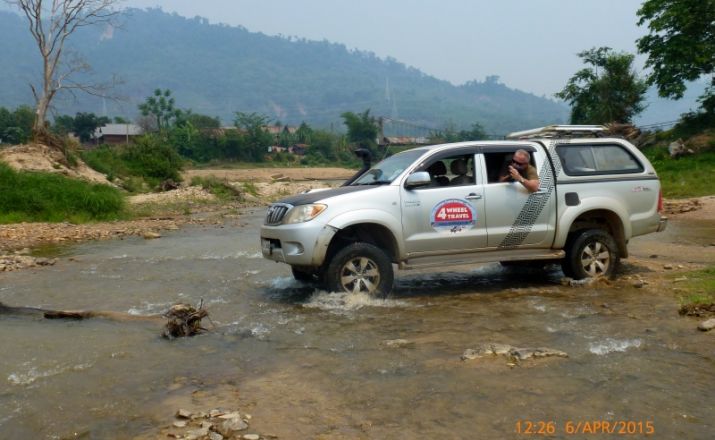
453, 215
535, 203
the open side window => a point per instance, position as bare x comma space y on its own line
497, 162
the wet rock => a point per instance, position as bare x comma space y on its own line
217, 413
230, 426
183, 414
638, 284
251, 437
197, 433
511, 352
653, 256
707, 325
10, 263
215, 436
231, 415
540, 352
699, 310
180, 424
668, 266
397, 343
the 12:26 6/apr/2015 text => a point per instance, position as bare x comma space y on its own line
580, 427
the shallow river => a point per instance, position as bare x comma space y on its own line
309, 364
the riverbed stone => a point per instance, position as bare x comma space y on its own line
707, 325
230, 415
251, 437
228, 427
396, 343
509, 351
150, 235
215, 436
183, 413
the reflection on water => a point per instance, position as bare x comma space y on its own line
309, 363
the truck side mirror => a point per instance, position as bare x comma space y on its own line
415, 180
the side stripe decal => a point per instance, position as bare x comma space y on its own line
534, 204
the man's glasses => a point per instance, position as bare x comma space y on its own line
519, 164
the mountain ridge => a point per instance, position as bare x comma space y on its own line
217, 69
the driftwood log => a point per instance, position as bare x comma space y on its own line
180, 320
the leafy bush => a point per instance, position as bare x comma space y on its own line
152, 159
142, 165
26, 196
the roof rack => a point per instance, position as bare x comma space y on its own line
560, 131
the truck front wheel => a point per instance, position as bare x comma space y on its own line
360, 268
304, 275
590, 254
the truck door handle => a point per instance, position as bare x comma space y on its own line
541, 192
473, 196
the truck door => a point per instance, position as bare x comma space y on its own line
514, 216
448, 215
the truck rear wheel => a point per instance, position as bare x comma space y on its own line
360, 268
591, 254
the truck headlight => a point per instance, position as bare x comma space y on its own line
304, 213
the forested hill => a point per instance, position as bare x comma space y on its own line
218, 70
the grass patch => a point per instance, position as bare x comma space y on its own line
700, 287
43, 197
687, 176
218, 187
250, 188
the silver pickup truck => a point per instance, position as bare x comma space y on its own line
445, 205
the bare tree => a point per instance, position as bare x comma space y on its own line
51, 24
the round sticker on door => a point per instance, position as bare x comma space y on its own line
453, 215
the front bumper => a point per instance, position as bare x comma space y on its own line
300, 244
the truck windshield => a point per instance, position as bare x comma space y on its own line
386, 171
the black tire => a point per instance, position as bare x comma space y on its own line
591, 253
300, 274
360, 268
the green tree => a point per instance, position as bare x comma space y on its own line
323, 145
680, 45
85, 124
161, 107
256, 139
200, 121
16, 126
304, 133
362, 130
51, 24
63, 124
610, 91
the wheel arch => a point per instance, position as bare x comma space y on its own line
605, 219
373, 233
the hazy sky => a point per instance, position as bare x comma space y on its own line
530, 44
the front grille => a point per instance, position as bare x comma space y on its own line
275, 213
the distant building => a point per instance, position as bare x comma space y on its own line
115, 134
